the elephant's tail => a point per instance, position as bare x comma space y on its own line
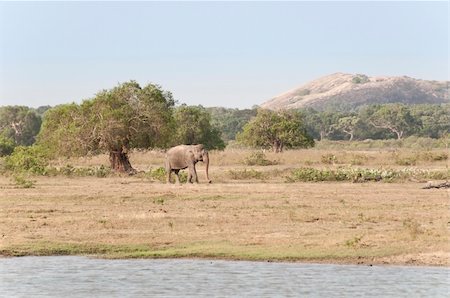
167, 165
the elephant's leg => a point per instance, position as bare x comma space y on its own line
168, 175
189, 177
177, 175
193, 174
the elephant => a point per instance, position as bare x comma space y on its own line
186, 156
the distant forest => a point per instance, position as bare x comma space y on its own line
20, 125
384, 121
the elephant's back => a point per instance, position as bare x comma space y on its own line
175, 157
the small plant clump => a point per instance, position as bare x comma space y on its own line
329, 159
259, 159
159, 174
71, 171
22, 182
354, 242
362, 175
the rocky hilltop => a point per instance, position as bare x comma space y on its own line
342, 91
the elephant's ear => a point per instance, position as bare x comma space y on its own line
189, 156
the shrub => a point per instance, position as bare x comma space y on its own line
329, 159
362, 175
158, 174
406, 161
358, 159
259, 159
70, 171
6, 146
27, 159
430, 156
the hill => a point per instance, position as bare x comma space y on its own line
342, 91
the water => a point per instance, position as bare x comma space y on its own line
87, 277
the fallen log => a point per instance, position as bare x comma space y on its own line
430, 185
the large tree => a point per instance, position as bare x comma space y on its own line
435, 119
396, 118
19, 124
348, 125
117, 120
193, 126
230, 121
276, 130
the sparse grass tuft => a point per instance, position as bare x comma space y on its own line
22, 182
329, 159
413, 228
246, 174
354, 242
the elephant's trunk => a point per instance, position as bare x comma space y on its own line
206, 161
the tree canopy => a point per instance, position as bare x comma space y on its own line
276, 130
230, 121
20, 124
396, 118
193, 126
125, 117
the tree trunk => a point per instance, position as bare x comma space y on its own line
119, 162
277, 146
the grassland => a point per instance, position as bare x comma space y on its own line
251, 212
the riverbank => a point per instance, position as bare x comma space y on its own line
130, 217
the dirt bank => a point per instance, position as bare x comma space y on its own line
367, 223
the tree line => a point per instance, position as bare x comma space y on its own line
129, 116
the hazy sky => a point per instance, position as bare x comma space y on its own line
231, 54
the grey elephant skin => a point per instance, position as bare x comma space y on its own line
186, 157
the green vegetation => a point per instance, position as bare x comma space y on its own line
22, 182
230, 121
33, 159
353, 174
117, 120
19, 126
204, 249
360, 79
129, 116
276, 130
193, 126
258, 158
379, 122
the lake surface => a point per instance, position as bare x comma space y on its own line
88, 277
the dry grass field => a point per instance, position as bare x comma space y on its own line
248, 212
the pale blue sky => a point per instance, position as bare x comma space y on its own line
231, 54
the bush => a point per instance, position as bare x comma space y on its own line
259, 159
430, 156
363, 175
329, 159
406, 161
6, 146
160, 174
27, 159
70, 171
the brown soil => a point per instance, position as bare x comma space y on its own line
367, 223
